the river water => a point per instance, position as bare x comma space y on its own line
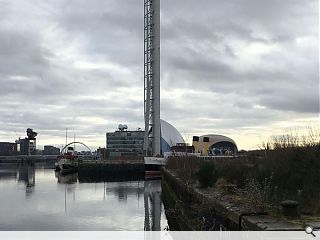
36, 198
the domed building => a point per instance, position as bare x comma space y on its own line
170, 136
214, 145
127, 143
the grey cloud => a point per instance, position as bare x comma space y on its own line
201, 42
196, 63
219, 109
293, 100
113, 30
22, 54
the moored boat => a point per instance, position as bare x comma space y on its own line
68, 162
153, 166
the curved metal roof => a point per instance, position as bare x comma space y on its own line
215, 138
170, 134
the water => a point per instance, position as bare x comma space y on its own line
36, 198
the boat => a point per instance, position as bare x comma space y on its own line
68, 162
153, 166
56, 166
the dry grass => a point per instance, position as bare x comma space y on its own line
292, 161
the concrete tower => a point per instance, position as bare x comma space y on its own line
152, 138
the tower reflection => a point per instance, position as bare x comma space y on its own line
124, 189
26, 174
152, 205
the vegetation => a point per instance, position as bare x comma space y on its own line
259, 194
286, 167
206, 174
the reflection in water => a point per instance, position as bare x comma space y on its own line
63, 202
8, 173
69, 181
121, 185
69, 189
67, 178
26, 174
125, 189
152, 205
151, 190
23, 172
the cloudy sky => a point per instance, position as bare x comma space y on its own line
243, 68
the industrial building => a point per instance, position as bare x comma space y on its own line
8, 149
28, 145
214, 145
51, 150
124, 143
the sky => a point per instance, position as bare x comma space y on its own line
246, 69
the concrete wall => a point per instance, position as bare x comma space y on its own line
195, 209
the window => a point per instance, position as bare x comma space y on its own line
206, 139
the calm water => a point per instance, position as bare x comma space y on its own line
36, 198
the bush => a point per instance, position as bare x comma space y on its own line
206, 174
221, 183
259, 194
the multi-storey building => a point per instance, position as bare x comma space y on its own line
122, 143
51, 150
8, 149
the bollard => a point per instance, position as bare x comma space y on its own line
290, 208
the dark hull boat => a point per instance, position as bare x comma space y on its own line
68, 162
153, 166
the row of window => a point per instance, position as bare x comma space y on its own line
125, 142
197, 139
123, 147
124, 138
124, 134
122, 150
129, 133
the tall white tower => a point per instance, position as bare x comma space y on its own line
152, 136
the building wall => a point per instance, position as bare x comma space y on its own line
214, 145
8, 149
183, 148
201, 147
125, 144
51, 150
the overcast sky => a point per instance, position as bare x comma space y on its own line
247, 69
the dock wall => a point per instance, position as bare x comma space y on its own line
190, 208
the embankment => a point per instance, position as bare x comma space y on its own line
190, 208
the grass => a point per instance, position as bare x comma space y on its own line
288, 167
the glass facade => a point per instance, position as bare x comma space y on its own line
125, 143
223, 149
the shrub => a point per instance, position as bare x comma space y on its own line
259, 194
221, 183
206, 174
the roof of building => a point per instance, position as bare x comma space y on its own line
215, 138
170, 134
